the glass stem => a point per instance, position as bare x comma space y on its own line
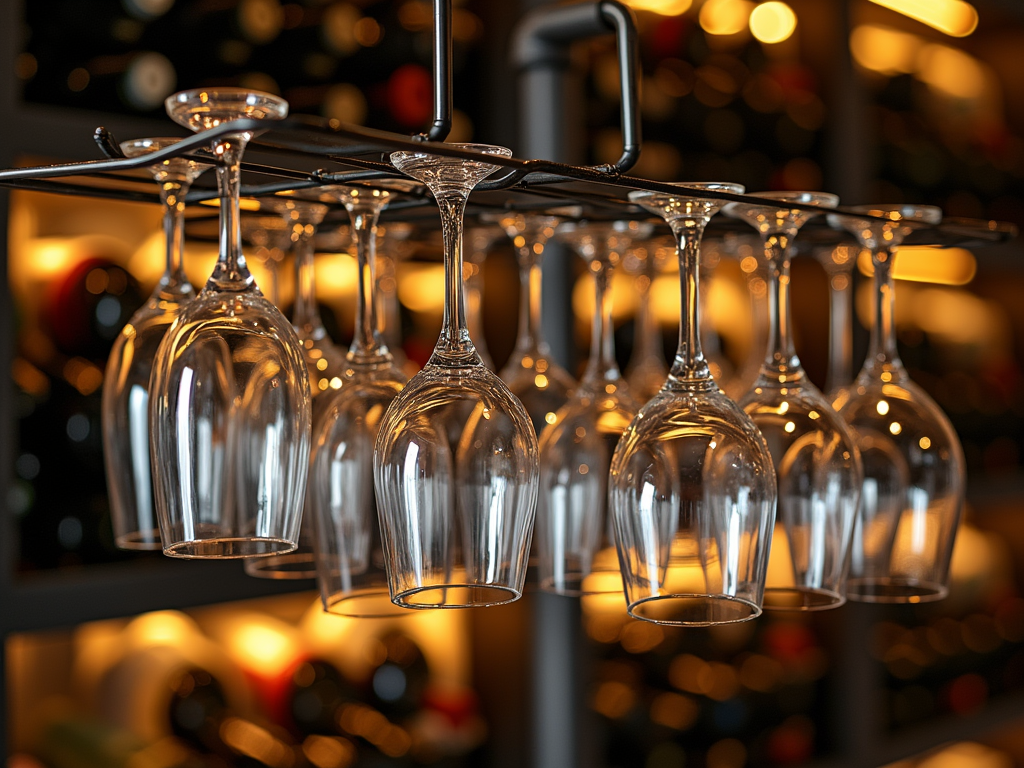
306, 315
454, 343
781, 363
231, 272
366, 342
602, 365
529, 340
689, 365
645, 335
882, 352
172, 195
840, 345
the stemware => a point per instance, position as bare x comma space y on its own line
692, 487
230, 398
647, 369
325, 365
913, 492
455, 464
480, 239
125, 411
576, 550
349, 554
838, 263
532, 375
755, 275
817, 463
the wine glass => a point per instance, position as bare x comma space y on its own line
817, 463
349, 554
481, 238
126, 379
325, 364
455, 463
647, 370
755, 274
692, 487
575, 547
532, 375
230, 402
913, 492
838, 263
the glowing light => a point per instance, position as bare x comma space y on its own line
895, 428
928, 264
550, 417
790, 426
884, 50
336, 275
161, 628
421, 287
925, 443
882, 407
952, 72
661, 7
725, 17
541, 381
263, 648
772, 22
954, 17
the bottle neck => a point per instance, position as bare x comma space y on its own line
454, 344
367, 341
231, 272
689, 368
883, 356
781, 364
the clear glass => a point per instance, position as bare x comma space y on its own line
349, 553
394, 245
540, 383
692, 488
817, 463
576, 550
745, 249
913, 493
455, 464
838, 263
647, 369
481, 239
721, 367
270, 241
325, 365
230, 402
126, 380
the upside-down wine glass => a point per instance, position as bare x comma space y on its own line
350, 557
817, 464
913, 491
838, 263
230, 398
126, 379
647, 369
576, 550
480, 238
532, 374
325, 366
455, 463
692, 488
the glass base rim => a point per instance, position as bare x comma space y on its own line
264, 567
829, 599
186, 550
906, 591
341, 604
401, 598
633, 606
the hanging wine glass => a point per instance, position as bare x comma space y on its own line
692, 488
480, 238
325, 366
755, 274
838, 263
230, 403
456, 458
576, 550
126, 380
350, 557
817, 464
913, 492
647, 369
532, 374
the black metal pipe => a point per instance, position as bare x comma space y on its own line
442, 124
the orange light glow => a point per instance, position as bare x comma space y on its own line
263, 646
952, 72
725, 17
928, 264
661, 7
421, 287
955, 18
772, 22
885, 50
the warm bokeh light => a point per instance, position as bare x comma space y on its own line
885, 50
928, 264
162, 628
772, 22
952, 72
725, 17
336, 275
954, 17
421, 287
661, 7
263, 646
